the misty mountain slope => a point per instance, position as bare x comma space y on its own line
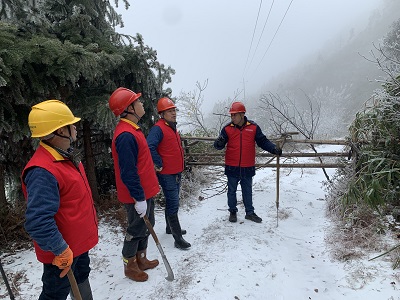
343, 64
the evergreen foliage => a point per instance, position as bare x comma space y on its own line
69, 50
377, 154
375, 136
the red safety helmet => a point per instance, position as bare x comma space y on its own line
120, 99
164, 104
237, 107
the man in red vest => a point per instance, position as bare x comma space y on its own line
167, 153
60, 214
136, 180
240, 137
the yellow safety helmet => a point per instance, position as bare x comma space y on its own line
48, 116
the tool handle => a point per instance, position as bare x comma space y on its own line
74, 285
3, 274
151, 229
170, 276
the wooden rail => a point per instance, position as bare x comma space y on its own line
211, 158
216, 158
288, 140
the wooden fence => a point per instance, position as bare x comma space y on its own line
203, 154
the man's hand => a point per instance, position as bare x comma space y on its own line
220, 141
278, 151
141, 207
64, 261
158, 169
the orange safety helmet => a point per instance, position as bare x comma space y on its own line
237, 107
164, 104
120, 99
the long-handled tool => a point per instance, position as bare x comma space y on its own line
277, 190
74, 285
170, 276
3, 274
280, 144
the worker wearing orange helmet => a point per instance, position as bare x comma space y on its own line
60, 214
166, 150
136, 180
240, 137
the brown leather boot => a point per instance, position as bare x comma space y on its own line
143, 262
132, 270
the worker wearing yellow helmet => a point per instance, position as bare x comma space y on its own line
60, 214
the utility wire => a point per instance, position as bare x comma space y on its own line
252, 38
274, 35
265, 23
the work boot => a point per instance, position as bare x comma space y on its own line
132, 270
143, 263
168, 229
253, 217
180, 242
233, 217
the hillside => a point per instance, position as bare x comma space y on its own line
344, 65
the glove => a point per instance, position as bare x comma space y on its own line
278, 151
141, 207
64, 261
220, 141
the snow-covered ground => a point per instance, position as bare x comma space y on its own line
243, 260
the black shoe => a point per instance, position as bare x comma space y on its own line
182, 244
232, 217
253, 217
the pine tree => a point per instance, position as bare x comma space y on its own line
69, 50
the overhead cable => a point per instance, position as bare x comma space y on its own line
274, 35
265, 23
252, 38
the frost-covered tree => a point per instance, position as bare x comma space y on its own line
375, 132
362, 196
191, 114
333, 114
68, 50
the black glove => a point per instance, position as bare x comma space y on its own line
278, 151
220, 141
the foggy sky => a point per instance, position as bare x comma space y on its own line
210, 39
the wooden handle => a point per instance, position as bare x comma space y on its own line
74, 285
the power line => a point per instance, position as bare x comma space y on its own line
274, 35
265, 23
252, 38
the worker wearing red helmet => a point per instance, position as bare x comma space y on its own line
136, 180
166, 150
240, 137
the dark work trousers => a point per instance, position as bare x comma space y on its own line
137, 235
56, 288
247, 193
170, 184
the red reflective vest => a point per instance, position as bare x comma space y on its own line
170, 149
76, 217
145, 166
241, 146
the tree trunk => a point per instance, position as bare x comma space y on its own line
3, 201
90, 161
